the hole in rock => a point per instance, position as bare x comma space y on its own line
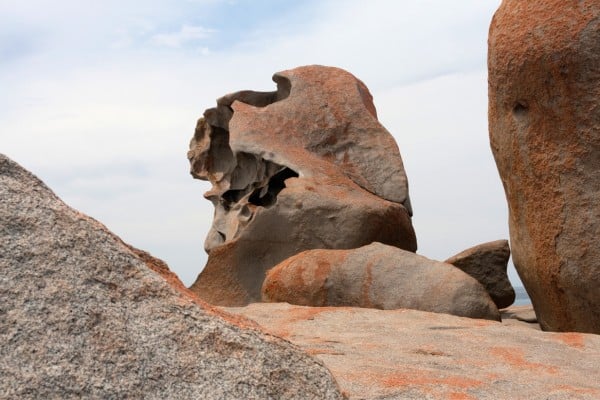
254, 98
275, 185
233, 196
520, 108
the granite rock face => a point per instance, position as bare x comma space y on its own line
377, 276
83, 315
544, 119
409, 354
487, 263
307, 166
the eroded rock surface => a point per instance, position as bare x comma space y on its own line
83, 315
377, 276
544, 117
408, 354
307, 166
487, 262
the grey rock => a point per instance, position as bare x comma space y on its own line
487, 263
307, 166
377, 276
82, 315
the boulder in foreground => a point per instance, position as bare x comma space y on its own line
83, 315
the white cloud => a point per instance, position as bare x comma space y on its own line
382, 42
441, 128
186, 35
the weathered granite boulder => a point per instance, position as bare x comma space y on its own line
544, 119
409, 354
377, 276
487, 263
307, 166
83, 315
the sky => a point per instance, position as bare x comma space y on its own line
100, 100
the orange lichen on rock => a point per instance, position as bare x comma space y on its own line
572, 339
307, 285
579, 390
431, 383
544, 120
516, 358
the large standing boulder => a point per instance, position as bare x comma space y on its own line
377, 276
544, 119
487, 262
83, 315
307, 166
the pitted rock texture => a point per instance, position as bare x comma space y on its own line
307, 166
409, 354
544, 119
83, 315
487, 262
377, 276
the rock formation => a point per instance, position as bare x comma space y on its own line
408, 354
377, 276
307, 166
544, 119
82, 315
487, 263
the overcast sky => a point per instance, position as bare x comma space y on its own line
100, 100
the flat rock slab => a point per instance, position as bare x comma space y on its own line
524, 314
408, 354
